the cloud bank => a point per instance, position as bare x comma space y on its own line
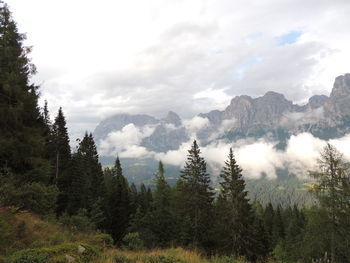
256, 157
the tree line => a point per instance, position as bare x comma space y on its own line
39, 172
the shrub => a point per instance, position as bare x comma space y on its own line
55, 254
78, 222
132, 241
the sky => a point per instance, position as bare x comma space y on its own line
99, 58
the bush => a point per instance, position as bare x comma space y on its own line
5, 233
132, 241
34, 197
55, 254
79, 222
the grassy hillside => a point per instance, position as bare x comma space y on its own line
26, 238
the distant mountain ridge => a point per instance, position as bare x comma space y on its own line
270, 115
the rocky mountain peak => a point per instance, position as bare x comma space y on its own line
338, 104
317, 101
273, 96
341, 86
172, 118
243, 99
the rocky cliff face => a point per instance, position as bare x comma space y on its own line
271, 114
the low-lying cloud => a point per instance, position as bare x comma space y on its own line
126, 142
256, 157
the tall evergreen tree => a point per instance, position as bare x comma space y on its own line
269, 215
332, 192
21, 127
86, 178
162, 210
61, 149
236, 218
194, 200
133, 194
118, 202
92, 170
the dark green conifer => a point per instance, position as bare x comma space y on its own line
194, 199
118, 203
61, 149
236, 218
162, 222
21, 126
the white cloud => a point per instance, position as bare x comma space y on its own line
225, 126
190, 56
302, 153
292, 119
343, 145
126, 141
261, 157
256, 157
196, 124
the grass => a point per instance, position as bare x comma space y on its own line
172, 255
27, 238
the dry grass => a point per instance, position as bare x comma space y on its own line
177, 254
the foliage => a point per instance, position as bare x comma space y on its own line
53, 254
194, 200
132, 241
333, 192
235, 216
79, 222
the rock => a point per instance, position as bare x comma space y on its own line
70, 258
317, 101
172, 118
81, 249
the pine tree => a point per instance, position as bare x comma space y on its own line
332, 192
194, 200
162, 210
61, 149
236, 218
85, 182
133, 198
278, 226
144, 199
91, 169
269, 215
21, 127
118, 202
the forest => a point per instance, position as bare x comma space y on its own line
42, 175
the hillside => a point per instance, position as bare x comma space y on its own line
26, 238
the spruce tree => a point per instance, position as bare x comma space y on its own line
194, 200
162, 210
91, 169
133, 193
85, 188
61, 149
236, 218
118, 202
21, 126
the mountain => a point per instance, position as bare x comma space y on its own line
271, 117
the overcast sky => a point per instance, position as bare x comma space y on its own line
98, 58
